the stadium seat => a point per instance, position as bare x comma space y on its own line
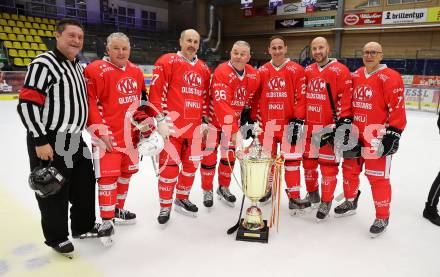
35, 25
16, 30
26, 45
51, 28
38, 39
13, 53
3, 36
3, 22
45, 20
28, 25
21, 38
31, 54
8, 44
33, 32
49, 34
12, 37
18, 62
22, 53
41, 33
11, 23
37, 19
6, 16
39, 52
7, 29
17, 45
43, 26
34, 46
19, 24
23, 18
26, 61
25, 31
52, 21
30, 19
29, 38
43, 47
14, 16
1, 29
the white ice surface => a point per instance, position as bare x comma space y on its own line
302, 247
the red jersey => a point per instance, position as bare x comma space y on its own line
319, 111
281, 94
378, 98
112, 91
179, 89
230, 93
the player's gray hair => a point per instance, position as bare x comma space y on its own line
242, 43
117, 35
182, 34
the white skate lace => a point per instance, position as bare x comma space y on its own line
64, 243
324, 208
164, 211
347, 205
380, 223
207, 195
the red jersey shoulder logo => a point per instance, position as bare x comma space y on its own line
277, 83
127, 85
192, 78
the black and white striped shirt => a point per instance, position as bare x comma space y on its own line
53, 97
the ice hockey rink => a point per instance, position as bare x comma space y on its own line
200, 246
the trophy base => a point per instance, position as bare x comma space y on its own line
253, 236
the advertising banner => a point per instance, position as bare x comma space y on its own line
434, 14
11, 82
405, 16
320, 21
291, 8
352, 19
289, 23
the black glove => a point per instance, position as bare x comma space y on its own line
294, 130
390, 142
246, 124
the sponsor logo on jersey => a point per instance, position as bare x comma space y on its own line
276, 106
291, 68
192, 104
360, 118
335, 69
316, 85
251, 76
193, 79
363, 93
383, 77
317, 96
314, 108
277, 83
362, 105
127, 85
276, 94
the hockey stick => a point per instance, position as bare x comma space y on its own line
235, 227
154, 166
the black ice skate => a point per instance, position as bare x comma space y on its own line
164, 215
323, 211
185, 207
431, 213
64, 248
124, 217
314, 199
348, 207
225, 195
93, 233
266, 199
298, 206
208, 199
106, 232
379, 227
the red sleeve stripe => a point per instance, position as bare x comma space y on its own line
32, 95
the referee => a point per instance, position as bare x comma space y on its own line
53, 108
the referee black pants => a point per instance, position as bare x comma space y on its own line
434, 192
79, 189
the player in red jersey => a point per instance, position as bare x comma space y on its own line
232, 87
178, 92
115, 87
320, 114
280, 109
379, 114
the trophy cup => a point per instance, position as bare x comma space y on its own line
256, 167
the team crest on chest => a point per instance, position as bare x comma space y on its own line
277, 83
316, 85
192, 78
127, 86
363, 93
